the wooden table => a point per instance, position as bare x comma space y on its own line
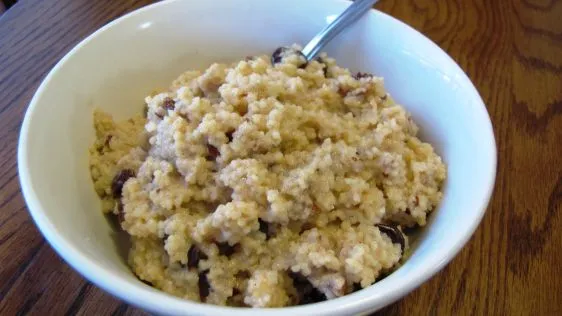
511, 49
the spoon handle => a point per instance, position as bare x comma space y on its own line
348, 17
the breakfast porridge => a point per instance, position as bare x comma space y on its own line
269, 182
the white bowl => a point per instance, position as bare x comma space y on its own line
118, 65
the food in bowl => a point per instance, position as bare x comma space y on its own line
269, 182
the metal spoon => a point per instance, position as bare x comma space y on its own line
313, 48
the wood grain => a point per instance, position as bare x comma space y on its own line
511, 49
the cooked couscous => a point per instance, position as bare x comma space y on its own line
269, 182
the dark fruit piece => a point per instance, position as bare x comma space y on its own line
225, 249
343, 91
120, 213
264, 228
306, 226
213, 153
320, 60
204, 286
168, 103
279, 53
119, 180
242, 274
395, 235
230, 135
307, 293
360, 75
194, 255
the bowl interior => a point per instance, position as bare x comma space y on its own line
118, 66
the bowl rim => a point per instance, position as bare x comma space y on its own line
157, 301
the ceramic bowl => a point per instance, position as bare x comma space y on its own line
117, 66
